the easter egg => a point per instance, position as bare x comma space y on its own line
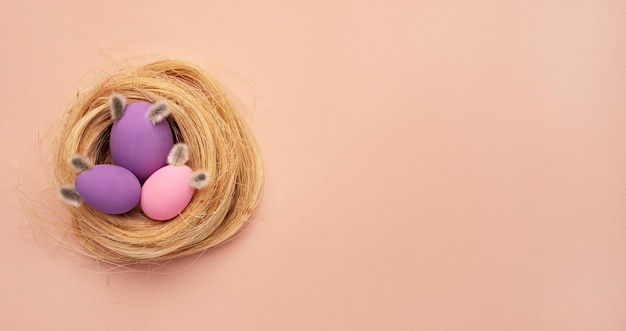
109, 188
167, 192
139, 145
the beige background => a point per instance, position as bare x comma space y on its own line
432, 165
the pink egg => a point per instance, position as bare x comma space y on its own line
166, 192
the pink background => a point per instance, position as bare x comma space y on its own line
432, 165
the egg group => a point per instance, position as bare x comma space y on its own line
142, 149
167, 192
109, 188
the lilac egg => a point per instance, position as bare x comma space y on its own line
139, 145
109, 188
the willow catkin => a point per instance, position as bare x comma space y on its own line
219, 141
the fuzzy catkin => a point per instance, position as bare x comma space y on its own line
219, 141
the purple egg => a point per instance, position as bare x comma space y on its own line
139, 145
109, 188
